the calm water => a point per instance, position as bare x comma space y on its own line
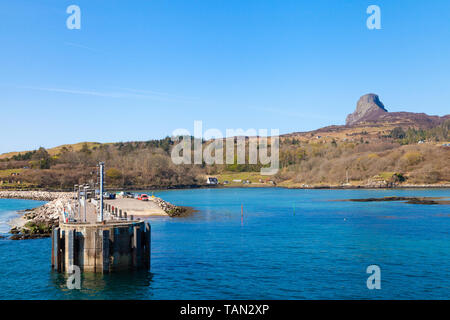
291, 244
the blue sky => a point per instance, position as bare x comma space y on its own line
137, 70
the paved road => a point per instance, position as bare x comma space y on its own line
136, 207
133, 207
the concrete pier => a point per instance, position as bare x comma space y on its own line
110, 246
97, 236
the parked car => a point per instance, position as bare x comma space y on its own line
110, 196
143, 197
128, 195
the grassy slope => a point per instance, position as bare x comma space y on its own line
56, 150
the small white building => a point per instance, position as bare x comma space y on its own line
212, 180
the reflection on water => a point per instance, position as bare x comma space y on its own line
96, 286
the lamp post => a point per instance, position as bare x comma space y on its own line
102, 168
76, 189
86, 187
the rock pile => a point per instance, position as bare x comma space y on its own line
376, 183
170, 209
49, 212
38, 222
36, 195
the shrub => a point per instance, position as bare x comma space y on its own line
113, 174
412, 158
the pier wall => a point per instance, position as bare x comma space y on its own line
102, 247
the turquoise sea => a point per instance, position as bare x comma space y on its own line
289, 244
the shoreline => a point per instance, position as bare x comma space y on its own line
49, 195
317, 187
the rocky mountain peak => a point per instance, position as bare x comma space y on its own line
369, 107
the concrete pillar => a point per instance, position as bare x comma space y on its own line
89, 250
55, 248
147, 245
70, 249
61, 251
80, 240
98, 252
137, 247
105, 249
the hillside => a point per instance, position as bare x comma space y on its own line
376, 148
54, 151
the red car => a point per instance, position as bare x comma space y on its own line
143, 197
